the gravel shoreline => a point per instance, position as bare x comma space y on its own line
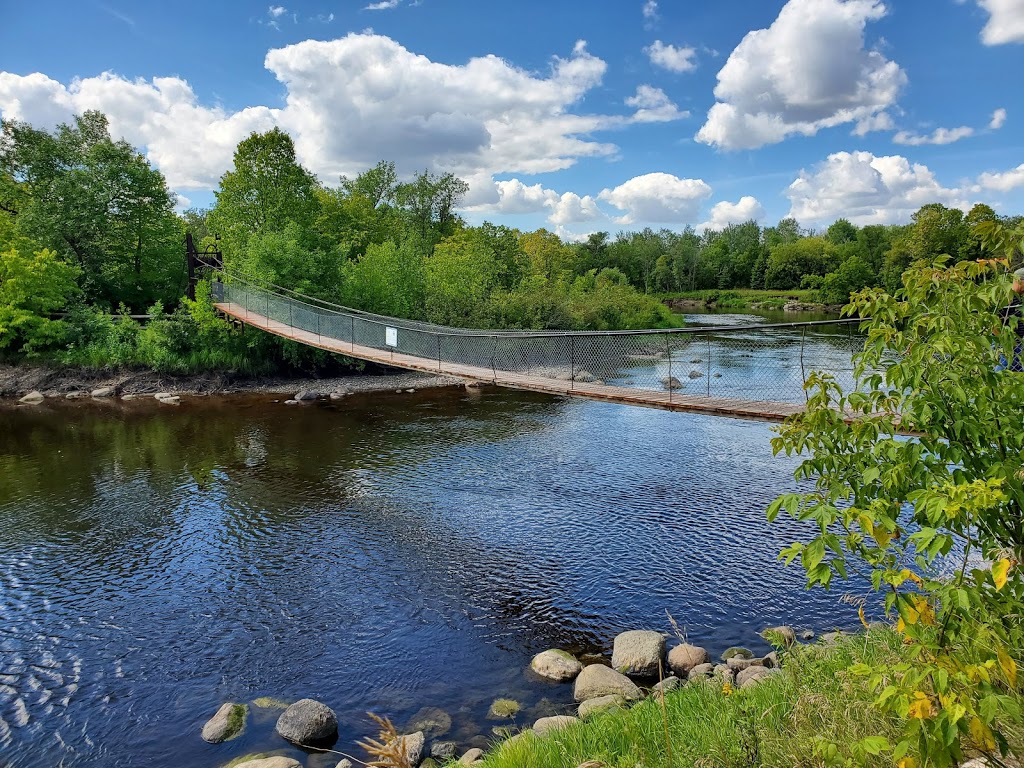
19, 380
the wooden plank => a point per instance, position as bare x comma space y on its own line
759, 410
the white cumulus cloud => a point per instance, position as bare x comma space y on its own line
938, 136
650, 10
998, 119
349, 103
658, 198
1003, 182
652, 105
670, 57
878, 122
809, 70
867, 190
1005, 23
725, 213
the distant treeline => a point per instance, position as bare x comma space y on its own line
87, 227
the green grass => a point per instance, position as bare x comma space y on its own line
775, 723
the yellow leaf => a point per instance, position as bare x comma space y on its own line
900, 626
920, 707
1008, 665
1000, 570
906, 573
881, 535
906, 762
863, 620
982, 736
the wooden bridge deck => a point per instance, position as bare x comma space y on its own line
674, 401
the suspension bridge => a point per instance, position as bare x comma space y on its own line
750, 371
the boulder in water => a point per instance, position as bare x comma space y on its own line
307, 722
103, 392
227, 724
559, 666
32, 398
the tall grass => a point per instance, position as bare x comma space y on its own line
782, 721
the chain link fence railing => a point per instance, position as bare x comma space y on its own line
753, 363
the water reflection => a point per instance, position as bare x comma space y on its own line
386, 552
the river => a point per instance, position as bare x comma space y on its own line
382, 553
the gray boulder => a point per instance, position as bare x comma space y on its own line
279, 761
831, 638
340, 394
444, 750
736, 652
696, 375
671, 382
781, 635
104, 392
701, 672
307, 722
668, 684
638, 653
413, 745
737, 663
556, 723
599, 680
685, 657
556, 665
601, 703
724, 672
32, 398
227, 724
76, 395
306, 396
752, 675
471, 756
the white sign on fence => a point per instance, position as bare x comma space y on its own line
391, 337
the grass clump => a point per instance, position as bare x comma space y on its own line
788, 719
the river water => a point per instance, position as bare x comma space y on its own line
384, 553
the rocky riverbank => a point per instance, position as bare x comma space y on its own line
19, 381
642, 665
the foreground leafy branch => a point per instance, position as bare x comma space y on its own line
917, 483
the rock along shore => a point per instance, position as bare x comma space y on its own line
18, 381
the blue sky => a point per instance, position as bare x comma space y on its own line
574, 116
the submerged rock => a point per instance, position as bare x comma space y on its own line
598, 680
503, 709
696, 375
269, 702
671, 382
559, 666
433, 721
638, 653
685, 657
228, 723
307, 722
601, 703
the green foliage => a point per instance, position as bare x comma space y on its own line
387, 279
852, 276
99, 205
34, 283
904, 509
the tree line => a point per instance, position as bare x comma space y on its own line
88, 228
